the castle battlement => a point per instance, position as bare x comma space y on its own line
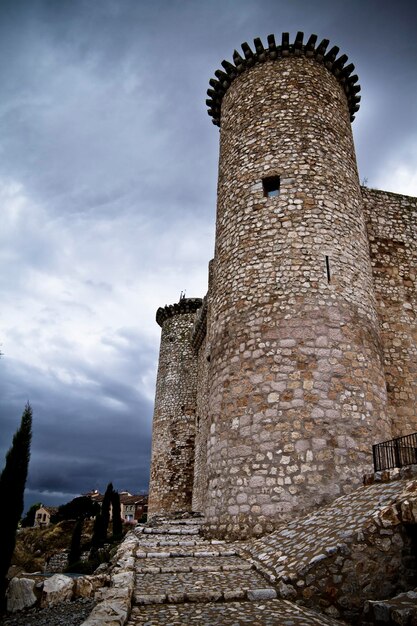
185, 305
337, 66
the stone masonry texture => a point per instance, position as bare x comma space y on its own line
296, 361
358, 548
392, 221
201, 435
304, 352
173, 431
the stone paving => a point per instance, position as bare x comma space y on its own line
289, 552
191, 585
354, 550
180, 581
192, 564
268, 613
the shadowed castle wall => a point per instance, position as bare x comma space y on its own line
202, 347
173, 430
297, 389
201, 433
392, 221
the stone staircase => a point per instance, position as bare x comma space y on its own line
180, 578
343, 560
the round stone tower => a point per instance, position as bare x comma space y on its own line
171, 482
296, 390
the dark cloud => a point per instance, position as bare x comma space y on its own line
85, 434
108, 166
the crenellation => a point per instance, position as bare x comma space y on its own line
303, 353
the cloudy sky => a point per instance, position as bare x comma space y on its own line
108, 165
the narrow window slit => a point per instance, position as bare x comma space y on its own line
328, 269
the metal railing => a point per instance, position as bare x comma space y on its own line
395, 452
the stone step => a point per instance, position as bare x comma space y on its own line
192, 564
170, 537
269, 613
175, 537
208, 595
186, 522
171, 530
167, 544
402, 609
149, 552
197, 586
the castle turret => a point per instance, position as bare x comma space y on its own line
296, 382
173, 430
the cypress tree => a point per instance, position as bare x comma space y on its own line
12, 487
117, 520
101, 522
105, 511
75, 547
96, 540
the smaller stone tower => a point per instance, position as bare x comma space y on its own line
173, 430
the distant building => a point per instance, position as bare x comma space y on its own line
43, 516
132, 508
94, 494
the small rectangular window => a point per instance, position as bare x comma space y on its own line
271, 186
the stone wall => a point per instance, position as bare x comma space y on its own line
57, 562
391, 224
201, 434
173, 431
297, 389
361, 547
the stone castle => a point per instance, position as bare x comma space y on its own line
272, 389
